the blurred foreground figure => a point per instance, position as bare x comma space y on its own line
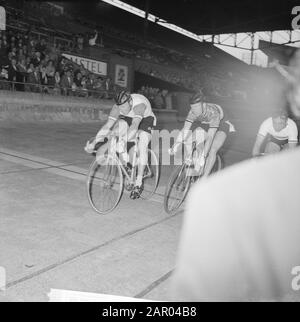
241, 234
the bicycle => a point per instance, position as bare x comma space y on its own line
107, 177
180, 180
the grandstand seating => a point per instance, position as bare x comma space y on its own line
209, 71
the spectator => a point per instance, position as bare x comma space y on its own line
44, 80
14, 52
41, 46
77, 82
57, 89
93, 38
12, 72
34, 80
20, 54
62, 64
50, 70
67, 82
27, 61
31, 44
30, 68
84, 86
36, 60
99, 87
54, 53
22, 74
4, 40
79, 43
91, 84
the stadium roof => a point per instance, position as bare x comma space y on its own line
219, 16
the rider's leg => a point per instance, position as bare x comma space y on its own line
120, 129
101, 151
271, 147
218, 142
199, 136
143, 143
188, 145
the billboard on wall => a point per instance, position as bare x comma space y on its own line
121, 76
94, 66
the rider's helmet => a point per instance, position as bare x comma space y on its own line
122, 97
197, 98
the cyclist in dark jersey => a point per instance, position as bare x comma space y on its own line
211, 116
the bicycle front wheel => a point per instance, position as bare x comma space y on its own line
176, 189
104, 184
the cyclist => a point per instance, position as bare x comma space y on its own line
212, 118
278, 132
131, 116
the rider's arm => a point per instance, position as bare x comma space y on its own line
262, 133
113, 116
139, 111
257, 145
213, 128
293, 135
182, 135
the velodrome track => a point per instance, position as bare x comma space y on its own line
50, 238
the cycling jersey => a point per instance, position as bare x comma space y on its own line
289, 133
141, 108
212, 114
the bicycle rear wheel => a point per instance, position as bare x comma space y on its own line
151, 176
104, 184
177, 189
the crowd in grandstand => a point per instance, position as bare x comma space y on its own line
38, 66
201, 72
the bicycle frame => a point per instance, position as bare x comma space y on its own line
113, 152
191, 157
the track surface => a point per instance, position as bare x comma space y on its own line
51, 238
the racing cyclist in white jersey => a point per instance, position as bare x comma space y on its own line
278, 132
132, 115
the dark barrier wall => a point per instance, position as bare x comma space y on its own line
33, 107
